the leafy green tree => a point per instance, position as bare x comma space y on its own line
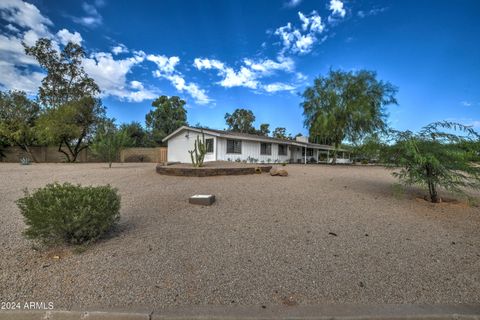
434, 158
66, 80
346, 105
68, 95
280, 133
240, 121
18, 116
168, 115
137, 135
109, 142
369, 149
71, 126
264, 129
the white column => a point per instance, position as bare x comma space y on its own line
305, 155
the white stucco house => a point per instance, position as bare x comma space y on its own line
225, 145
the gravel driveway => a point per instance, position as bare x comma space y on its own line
321, 235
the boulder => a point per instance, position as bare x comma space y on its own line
278, 172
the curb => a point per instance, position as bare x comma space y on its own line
310, 312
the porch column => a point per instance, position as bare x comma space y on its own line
317, 155
328, 156
305, 155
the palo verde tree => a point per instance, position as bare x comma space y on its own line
168, 115
241, 120
346, 105
109, 142
18, 117
72, 126
68, 96
435, 157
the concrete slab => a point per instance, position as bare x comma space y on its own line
202, 199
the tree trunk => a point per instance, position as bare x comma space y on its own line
64, 152
433, 192
27, 149
432, 188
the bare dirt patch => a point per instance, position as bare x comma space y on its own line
263, 241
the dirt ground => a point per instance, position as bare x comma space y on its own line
324, 234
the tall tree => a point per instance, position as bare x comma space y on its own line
264, 129
168, 115
346, 105
72, 126
137, 135
280, 133
240, 121
66, 80
435, 157
18, 116
68, 95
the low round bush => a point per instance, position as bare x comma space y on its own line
70, 214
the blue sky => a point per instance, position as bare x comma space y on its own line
223, 55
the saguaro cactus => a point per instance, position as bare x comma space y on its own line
199, 151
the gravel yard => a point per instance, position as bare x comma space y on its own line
321, 235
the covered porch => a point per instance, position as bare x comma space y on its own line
317, 154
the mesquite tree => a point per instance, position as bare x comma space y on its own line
435, 157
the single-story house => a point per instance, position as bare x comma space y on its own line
225, 145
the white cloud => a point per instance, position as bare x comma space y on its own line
111, 76
336, 6
66, 36
12, 28
467, 103
301, 40
26, 25
372, 12
121, 48
249, 74
278, 86
292, 3
92, 17
25, 15
14, 79
166, 69
164, 64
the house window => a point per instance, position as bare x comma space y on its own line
234, 146
209, 145
282, 149
265, 149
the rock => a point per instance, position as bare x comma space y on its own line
278, 172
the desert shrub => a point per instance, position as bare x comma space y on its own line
69, 214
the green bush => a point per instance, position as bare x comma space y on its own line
70, 214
